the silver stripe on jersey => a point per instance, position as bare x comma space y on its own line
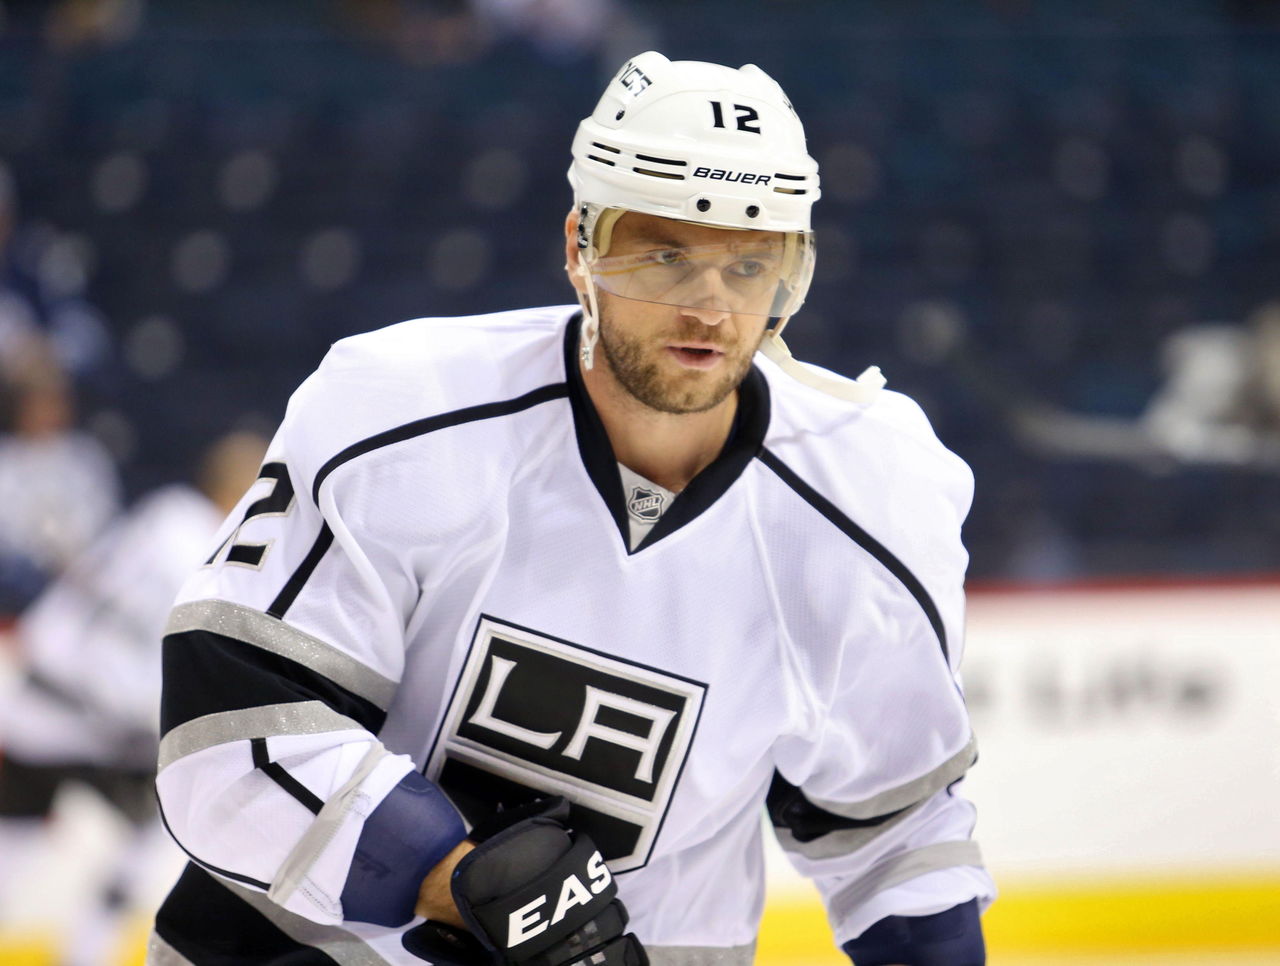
344, 948
701, 955
160, 953
272, 634
900, 868
292, 718
293, 870
904, 796
842, 841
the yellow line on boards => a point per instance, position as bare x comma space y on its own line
27, 950
794, 932
43, 948
1111, 916
1139, 915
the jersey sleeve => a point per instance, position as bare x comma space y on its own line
281, 659
867, 802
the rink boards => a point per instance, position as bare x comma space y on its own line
1129, 771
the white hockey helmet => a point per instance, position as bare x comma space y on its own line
701, 143
698, 142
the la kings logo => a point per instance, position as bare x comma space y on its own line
533, 715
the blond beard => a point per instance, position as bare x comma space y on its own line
680, 394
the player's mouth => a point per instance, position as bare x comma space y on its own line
696, 355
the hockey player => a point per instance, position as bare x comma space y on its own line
530, 615
86, 709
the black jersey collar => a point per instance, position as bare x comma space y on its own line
746, 439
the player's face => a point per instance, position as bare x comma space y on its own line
685, 358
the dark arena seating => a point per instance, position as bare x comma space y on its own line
1022, 200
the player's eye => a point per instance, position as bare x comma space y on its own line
748, 268
668, 257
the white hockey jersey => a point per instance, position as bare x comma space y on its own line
433, 573
91, 641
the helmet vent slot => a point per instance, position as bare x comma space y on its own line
669, 175
790, 177
606, 147
646, 157
601, 160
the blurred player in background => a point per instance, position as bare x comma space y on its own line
1218, 403
86, 708
520, 594
58, 485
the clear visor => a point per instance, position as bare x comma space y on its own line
764, 274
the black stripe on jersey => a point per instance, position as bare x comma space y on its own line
211, 926
289, 593
234, 876
421, 427
205, 673
789, 808
275, 771
863, 539
746, 437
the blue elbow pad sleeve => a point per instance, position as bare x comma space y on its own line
951, 938
411, 830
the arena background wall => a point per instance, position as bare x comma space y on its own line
1025, 202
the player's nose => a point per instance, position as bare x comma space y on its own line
707, 297
706, 314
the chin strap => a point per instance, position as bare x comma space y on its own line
590, 333
864, 389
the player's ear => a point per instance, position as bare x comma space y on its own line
571, 254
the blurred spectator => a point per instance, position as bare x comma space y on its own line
449, 31
560, 29
58, 486
42, 278
84, 23
74, 24
87, 707
420, 31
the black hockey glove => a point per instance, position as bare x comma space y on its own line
533, 893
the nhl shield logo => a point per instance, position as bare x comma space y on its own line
645, 504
